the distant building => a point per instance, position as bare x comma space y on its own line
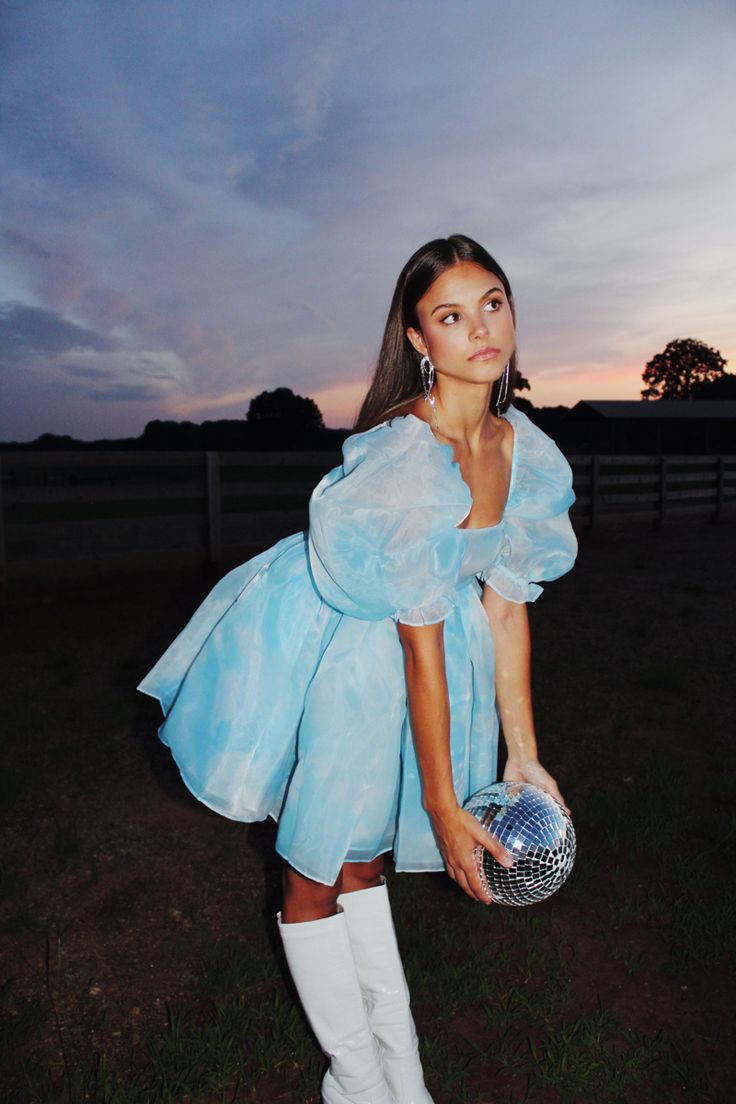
656, 426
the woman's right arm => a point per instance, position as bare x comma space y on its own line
457, 831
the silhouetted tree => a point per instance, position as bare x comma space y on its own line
724, 387
171, 435
55, 442
674, 373
229, 434
521, 383
281, 419
282, 405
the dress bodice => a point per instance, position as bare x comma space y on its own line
384, 536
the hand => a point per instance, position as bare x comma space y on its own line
458, 834
532, 771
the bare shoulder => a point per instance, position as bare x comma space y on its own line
414, 406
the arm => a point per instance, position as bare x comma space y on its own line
510, 629
457, 831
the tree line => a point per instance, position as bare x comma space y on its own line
279, 420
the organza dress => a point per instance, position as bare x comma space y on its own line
285, 695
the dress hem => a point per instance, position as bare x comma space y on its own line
313, 877
251, 816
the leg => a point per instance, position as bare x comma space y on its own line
318, 951
373, 940
355, 876
305, 899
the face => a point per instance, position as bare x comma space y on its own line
465, 324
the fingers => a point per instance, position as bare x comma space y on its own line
470, 883
464, 882
490, 843
464, 869
535, 774
497, 849
556, 794
459, 838
554, 791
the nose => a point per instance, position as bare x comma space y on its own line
479, 328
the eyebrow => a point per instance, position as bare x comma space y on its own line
444, 306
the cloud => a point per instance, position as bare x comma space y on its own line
129, 375
230, 404
20, 241
84, 372
312, 92
121, 392
26, 330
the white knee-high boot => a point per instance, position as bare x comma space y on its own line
385, 992
320, 959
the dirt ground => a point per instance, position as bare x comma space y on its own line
112, 872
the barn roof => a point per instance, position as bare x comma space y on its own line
652, 409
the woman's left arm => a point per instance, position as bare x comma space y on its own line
509, 624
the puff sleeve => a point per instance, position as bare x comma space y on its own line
538, 541
383, 540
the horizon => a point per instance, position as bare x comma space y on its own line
349, 428
199, 204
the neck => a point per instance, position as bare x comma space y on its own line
462, 410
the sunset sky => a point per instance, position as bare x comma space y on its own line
201, 201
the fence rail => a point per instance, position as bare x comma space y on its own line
65, 508
657, 487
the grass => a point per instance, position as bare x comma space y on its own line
509, 967
594, 1058
547, 1004
663, 679
225, 1045
688, 902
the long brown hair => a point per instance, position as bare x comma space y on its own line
396, 378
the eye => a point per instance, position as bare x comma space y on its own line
448, 319
492, 305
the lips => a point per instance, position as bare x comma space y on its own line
485, 354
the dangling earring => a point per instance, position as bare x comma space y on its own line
503, 387
426, 368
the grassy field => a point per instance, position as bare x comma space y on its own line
141, 962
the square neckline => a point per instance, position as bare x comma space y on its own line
456, 466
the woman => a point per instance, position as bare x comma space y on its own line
348, 681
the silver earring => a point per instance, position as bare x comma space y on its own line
503, 387
426, 368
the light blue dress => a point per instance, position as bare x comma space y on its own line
285, 695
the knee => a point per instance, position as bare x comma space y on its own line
363, 875
305, 899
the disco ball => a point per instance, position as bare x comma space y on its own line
537, 831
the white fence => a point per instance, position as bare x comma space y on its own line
66, 509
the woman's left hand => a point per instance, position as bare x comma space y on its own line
533, 772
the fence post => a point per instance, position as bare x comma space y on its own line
662, 489
214, 507
594, 489
720, 486
2, 527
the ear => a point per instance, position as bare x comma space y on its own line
415, 336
